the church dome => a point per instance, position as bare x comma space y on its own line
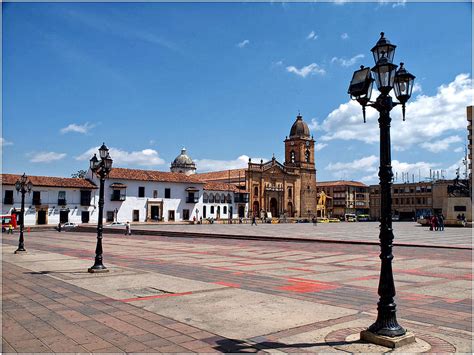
183, 164
299, 129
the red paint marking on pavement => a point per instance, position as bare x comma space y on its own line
155, 296
228, 284
414, 296
306, 286
364, 278
451, 300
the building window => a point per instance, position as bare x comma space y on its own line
218, 198
460, 208
155, 193
85, 198
229, 198
205, 198
212, 209
255, 190
224, 210
211, 198
307, 155
167, 193
36, 198
8, 197
141, 191
118, 195
62, 198
290, 192
110, 216
292, 156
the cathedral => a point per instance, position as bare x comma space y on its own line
277, 189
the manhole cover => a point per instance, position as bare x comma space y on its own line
144, 291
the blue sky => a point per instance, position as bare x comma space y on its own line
226, 81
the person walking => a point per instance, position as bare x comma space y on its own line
128, 229
10, 229
436, 225
59, 227
441, 223
432, 223
254, 220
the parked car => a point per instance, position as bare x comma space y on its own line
69, 225
323, 220
115, 224
395, 217
334, 220
363, 218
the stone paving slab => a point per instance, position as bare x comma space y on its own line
48, 312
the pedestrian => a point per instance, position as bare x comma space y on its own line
59, 227
254, 220
432, 223
10, 229
463, 220
128, 229
436, 225
441, 223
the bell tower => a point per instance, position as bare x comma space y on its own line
299, 159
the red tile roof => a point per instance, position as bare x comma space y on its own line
340, 183
152, 175
222, 175
215, 186
49, 181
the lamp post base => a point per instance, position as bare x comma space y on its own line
20, 251
97, 269
389, 342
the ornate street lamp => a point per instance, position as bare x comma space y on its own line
102, 169
23, 185
360, 89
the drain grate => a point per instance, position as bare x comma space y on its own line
144, 291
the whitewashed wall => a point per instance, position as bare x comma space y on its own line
49, 199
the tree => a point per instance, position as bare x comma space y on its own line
80, 174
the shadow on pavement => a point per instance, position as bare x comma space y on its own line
239, 346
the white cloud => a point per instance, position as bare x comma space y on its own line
369, 167
4, 142
145, 157
84, 128
310, 69
314, 125
312, 35
319, 146
244, 43
363, 164
436, 146
458, 150
344, 35
45, 157
427, 117
399, 3
204, 165
278, 63
347, 62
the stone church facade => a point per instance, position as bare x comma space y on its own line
285, 189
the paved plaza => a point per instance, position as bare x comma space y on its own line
182, 294
406, 233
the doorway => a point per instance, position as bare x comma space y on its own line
241, 211
41, 217
85, 216
274, 207
204, 210
290, 209
256, 208
64, 216
136, 216
155, 213
171, 215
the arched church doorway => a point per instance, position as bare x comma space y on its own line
256, 208
274, 207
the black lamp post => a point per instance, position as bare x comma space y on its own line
360, 89
102, 169
23, 185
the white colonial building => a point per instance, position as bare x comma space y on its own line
135, 195
52, 200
